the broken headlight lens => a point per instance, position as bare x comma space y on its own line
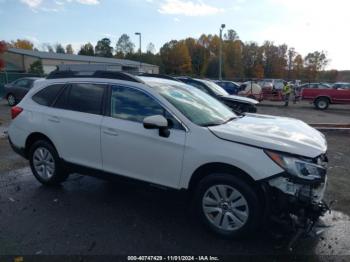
298, 167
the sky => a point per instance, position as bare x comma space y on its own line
306, 25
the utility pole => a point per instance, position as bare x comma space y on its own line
290, 54
140, 52
220, 52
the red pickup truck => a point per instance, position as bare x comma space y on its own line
322, 97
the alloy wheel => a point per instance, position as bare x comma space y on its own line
11, 100
44, 163
225, 207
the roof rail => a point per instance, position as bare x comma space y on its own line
162, 76
57, 74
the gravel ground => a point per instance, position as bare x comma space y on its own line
339, 114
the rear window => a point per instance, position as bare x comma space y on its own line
47, 95
82, 97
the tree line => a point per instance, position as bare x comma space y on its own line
200, 57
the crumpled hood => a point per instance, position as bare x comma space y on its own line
276, 133
241, 99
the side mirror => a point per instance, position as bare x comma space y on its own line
157, 122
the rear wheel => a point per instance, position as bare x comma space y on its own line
45, 163
227, 205
322, 103
11, 100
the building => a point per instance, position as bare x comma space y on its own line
19, 60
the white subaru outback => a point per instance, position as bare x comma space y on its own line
239, 169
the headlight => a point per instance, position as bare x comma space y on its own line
298, 167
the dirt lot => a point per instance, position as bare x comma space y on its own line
89, 216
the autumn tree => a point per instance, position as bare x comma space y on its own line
22, 44
124, 46
199, 56
103, 48
176, 58
233, 64
69, 49
252, 56
87, 49
3, 48
60, 49
298, 67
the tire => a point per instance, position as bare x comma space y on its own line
11, 100
51, 172
322, 103
252, 109
237, 218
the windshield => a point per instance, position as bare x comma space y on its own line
218, 90
196, 105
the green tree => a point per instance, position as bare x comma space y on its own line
69, 49
231, 35
103, 48
314, 62
151, 48
87, 49
124, 46
36, 68
60, 49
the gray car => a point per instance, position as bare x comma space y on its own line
16, 90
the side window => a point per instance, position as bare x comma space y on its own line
85, 97
131, 104
47, 95
23, 83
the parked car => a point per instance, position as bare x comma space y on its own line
323, 97
316, 85
230, 87
237, 169
251, 90
16, 90
276, 84
237, 103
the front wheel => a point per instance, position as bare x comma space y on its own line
227, 205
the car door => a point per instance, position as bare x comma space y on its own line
131, 150
341, 94
74, 123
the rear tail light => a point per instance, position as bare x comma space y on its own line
15, 111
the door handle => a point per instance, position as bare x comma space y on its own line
54, 119
110, 132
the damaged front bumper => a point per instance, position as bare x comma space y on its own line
299, 204
302, 200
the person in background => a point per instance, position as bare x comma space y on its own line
286, 91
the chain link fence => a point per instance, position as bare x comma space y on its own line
7, 77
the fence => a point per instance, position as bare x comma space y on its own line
6, 77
